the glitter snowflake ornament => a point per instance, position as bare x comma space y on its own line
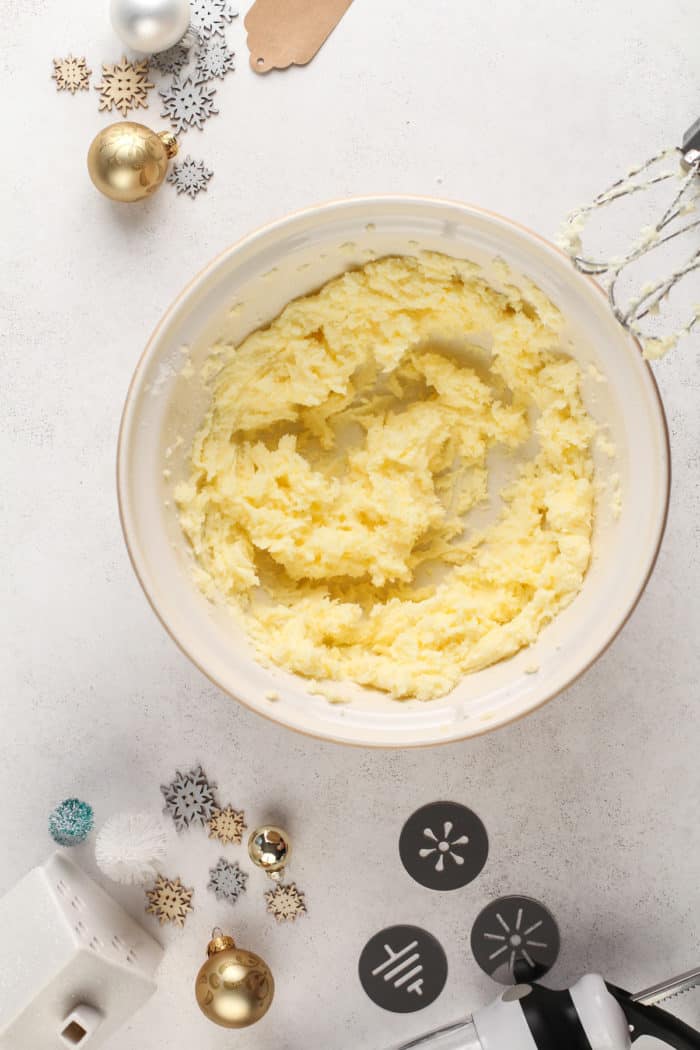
71, 822
209, 17
227, 825
214, 59
227, 880
286, 903
124, 86
188, 103
71, 74
190, 799
130, 847
171, 61
169, 901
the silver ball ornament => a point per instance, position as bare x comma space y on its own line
149, 26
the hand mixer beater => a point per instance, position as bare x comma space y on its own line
677, 224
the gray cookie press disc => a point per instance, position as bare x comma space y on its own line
403, 968
515, 940
443, 846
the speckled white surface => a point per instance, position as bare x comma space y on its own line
591, 804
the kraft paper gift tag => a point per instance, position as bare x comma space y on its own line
282, 33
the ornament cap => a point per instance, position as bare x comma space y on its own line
220, 942
170, 143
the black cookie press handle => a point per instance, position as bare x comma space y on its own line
651, 1020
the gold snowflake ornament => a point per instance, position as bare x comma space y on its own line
124, 86
170, 901
227, 825
71, 74
286, 903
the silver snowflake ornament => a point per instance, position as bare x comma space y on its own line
171, 61
190, 798
227, 880
188, 103
214, 59
189, 176
209, 17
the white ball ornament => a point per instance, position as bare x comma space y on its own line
130, 847
149, 26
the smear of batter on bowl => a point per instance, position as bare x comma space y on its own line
339, 479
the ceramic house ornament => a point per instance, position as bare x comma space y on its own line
75, 966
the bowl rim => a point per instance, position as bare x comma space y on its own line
197, 280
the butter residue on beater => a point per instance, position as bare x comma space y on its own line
345, 445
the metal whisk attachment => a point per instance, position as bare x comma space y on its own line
678, 218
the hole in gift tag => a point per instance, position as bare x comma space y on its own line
74, 1033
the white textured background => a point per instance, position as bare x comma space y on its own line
591, 804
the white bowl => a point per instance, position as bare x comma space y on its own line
247, 286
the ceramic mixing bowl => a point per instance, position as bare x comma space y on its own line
246, 287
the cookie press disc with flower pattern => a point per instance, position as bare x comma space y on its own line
443, 845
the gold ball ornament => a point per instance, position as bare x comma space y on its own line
128, 162
270, 849
234, 987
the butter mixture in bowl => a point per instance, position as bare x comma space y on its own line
443, 476
394, 483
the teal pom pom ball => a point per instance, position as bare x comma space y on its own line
71, 822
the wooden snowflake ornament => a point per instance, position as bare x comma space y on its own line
169, 901
124, 86
190, 798
209, 17
188, 104
214, 59
71, 74
227, 825
227, 880
286, 903
172, 61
